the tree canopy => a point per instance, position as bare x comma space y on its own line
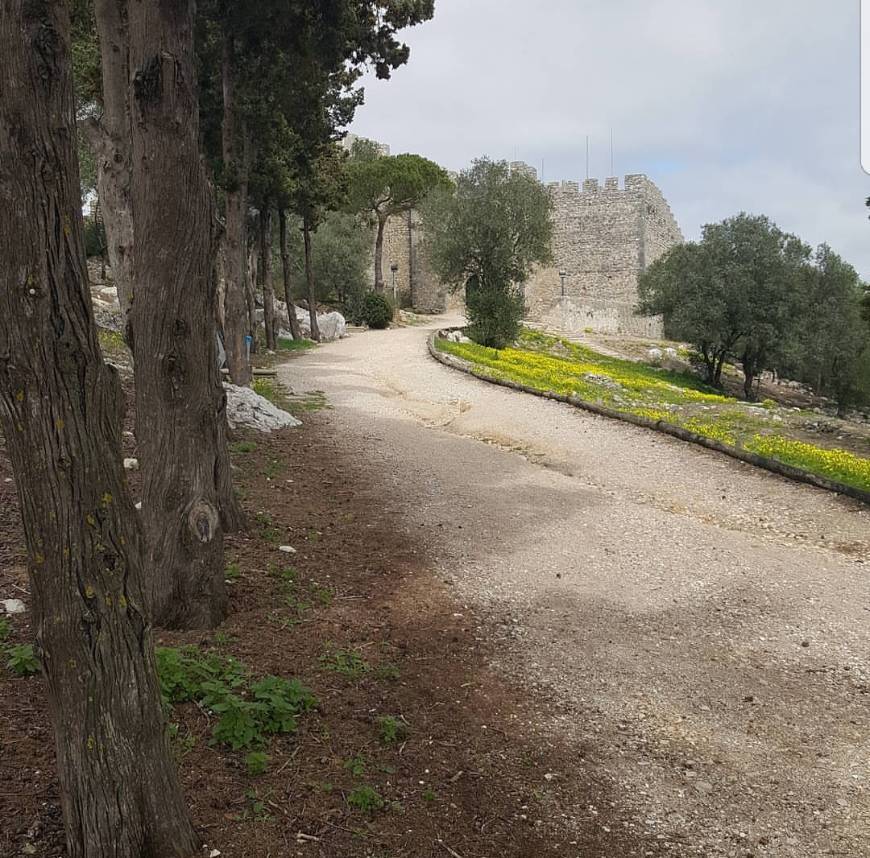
749, 291
491, 231
381, 186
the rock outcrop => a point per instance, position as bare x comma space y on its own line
246, 409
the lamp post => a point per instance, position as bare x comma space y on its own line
394, 268
562, 276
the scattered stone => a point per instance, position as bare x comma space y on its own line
13, 606
654, 356
131, 464
246, 409
287, 549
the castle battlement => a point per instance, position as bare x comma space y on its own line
605, 234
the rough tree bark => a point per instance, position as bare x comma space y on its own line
179, 420
236, 181
264, 275
379, 253
232, 516
251, 294
60, 410
109, 137
295, 328
309, 280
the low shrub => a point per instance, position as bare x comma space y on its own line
365, 799
248, 712
494, 314
22, 660
377, 311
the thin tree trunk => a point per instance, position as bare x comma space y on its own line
60, 410
232, 516
251, 295
309, 279
110, 139
379, 254
99, 222
295, 329
236, 168
178, 416
265, 278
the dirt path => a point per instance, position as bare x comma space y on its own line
699, 630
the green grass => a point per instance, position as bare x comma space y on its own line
271, 389
285, 345
366, 799
391, 730
111, 343
304, 403
551, 364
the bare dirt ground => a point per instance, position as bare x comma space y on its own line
697, 632
368, 626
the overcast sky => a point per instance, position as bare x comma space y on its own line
729, 105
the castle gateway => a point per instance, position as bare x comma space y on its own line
603, 239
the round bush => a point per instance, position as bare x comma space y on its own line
377, 311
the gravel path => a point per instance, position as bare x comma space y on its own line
698, 630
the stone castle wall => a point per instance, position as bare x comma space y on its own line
416, 285
604, 237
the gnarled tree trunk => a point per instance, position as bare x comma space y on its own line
295, 328
60, 409
236, 179
265, 278
179, 418
309, 280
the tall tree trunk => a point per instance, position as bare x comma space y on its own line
100, 230
178, 416
232, 516
236, 244
265, 278
109, 137
379, 254
60, 410
251, 295
295, 328
309, 280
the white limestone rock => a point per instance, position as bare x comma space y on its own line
654, 356
246, 409
333, 326
13, 606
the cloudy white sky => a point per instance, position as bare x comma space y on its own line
729, 105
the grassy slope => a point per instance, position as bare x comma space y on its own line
549, 363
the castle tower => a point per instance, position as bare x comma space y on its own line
604, 238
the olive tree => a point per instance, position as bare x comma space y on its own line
487, 234
734, 293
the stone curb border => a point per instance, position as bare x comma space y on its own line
783, 470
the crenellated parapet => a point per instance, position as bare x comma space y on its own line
605, 235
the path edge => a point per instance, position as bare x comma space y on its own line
780, 468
